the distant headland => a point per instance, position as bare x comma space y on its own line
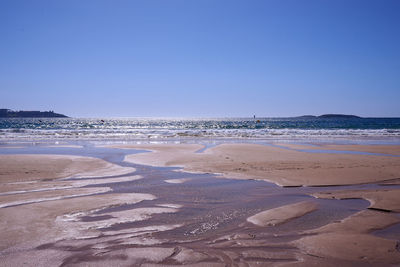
8, 113
330, 116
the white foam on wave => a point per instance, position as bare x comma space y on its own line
161, 129
143, 134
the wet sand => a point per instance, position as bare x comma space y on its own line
134, 214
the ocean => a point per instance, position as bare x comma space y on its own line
381, 130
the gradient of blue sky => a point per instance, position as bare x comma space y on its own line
204, 58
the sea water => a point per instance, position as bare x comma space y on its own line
381, 130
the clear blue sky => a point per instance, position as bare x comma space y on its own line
204, 58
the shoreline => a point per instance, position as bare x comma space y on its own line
308, 140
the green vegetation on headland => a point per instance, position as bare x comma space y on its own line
330, 116
7, 113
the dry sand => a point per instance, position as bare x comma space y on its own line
380, 149
281, 166
22, 168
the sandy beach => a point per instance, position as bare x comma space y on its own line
215, 209
200, 133
281, 166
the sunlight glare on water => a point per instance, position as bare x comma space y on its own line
241, 128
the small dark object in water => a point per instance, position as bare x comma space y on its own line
258, 121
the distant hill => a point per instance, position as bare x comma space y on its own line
306, 117
7, 113
330, 116
338, 116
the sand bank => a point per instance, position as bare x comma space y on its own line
22, 168
58, 184
349, 239
281, 166
282, 214
28, 179
163, 154
36, 197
